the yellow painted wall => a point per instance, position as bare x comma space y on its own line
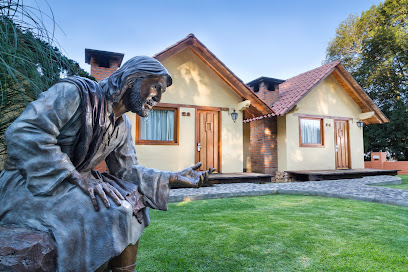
194, 83
282, 144
328, 98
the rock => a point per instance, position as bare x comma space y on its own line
282, 177
24, 249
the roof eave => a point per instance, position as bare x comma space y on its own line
306, 93
218, 67
379, 117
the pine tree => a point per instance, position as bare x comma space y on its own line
30, 62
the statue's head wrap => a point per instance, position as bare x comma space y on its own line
135, 68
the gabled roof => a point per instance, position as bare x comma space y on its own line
295, 88
258, 106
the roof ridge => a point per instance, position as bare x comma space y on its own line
189, 36
295, 88
241, 87
334, 63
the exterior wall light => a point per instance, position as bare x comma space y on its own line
360, 124
234, 115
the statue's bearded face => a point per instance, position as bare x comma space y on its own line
146, 93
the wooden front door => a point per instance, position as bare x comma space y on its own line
341, 141
207, 139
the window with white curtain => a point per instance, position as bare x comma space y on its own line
158, 128
311, 131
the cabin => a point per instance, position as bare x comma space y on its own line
312, 121
200, 117
316, 124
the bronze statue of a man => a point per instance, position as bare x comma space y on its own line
49, 183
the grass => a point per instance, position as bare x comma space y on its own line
276, 233
404, 184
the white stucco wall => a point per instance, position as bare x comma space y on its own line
328, 98
194, 83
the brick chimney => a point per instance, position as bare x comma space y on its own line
263, 146
103, 63
266, 88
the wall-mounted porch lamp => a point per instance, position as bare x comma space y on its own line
360, 124
234, 115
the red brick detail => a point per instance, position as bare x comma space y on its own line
264, 146
379, 161
268, 96
103, 72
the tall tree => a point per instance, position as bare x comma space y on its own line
29, 61
374, 49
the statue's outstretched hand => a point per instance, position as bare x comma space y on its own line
93, 187
189, 178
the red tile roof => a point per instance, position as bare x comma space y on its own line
290, 92
295, 88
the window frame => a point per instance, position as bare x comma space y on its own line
138, 141
321, 132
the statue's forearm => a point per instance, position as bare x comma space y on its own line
173, 179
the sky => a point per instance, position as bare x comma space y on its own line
253, 38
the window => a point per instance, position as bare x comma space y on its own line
160, 127
311, 131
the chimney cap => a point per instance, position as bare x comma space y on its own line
102, 56
266, 80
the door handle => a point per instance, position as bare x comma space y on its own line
199, 147
337, 148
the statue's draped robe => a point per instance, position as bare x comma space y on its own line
35, 194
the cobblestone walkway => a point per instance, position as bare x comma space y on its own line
357, 189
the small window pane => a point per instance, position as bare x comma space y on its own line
158, 126
310, 131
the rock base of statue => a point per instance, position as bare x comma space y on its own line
24, 249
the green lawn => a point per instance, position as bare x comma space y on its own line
404, 184
276, 233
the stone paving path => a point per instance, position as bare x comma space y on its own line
357, 189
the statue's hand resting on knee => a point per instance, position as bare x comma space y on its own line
189, 178
93, 187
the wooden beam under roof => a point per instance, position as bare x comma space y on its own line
359, 96
205, 55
